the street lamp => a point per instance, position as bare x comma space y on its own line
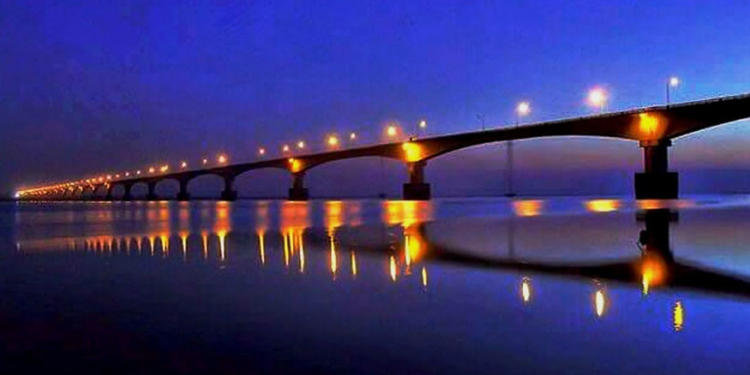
480, 117
333, 141
205, 161
261, 151
597, 98
672, 82
285, 148
222, 159
183, 165
301, 144
422, 125
522, 109
391, 131
352, 136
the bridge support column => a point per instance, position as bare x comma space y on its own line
229, 194
298, 191
656, 182
183, 194
416, 188
152, 191
108, 197
127, 196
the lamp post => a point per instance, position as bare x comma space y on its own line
522, 109
480, 117
672, 82
421, 126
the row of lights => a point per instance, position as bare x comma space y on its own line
333, 141
597, 98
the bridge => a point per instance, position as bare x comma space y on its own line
653, 128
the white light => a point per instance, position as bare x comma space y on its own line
523, 108
674, 81
17, 195
597, 97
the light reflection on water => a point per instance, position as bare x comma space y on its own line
582, 255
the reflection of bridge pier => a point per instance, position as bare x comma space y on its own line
655, 237
656, 182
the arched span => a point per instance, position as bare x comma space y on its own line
254, 167
309, 163
454, 148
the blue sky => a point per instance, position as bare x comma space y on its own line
92, 87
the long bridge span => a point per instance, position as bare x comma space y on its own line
652, 127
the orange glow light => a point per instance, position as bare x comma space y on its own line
602, 205
678, 316
333, 141
222, 159
295, 165
391, 131
648, 124
528, 207
653, 271
413, 151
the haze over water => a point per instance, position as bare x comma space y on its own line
368, 286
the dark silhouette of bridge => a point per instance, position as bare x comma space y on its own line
652, 127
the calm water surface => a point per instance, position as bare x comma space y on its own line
561, 285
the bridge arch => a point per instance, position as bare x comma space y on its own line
264, 182
204, 184
384, 173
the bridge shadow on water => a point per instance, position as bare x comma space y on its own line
654, 267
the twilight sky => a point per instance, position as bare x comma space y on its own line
93, 87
